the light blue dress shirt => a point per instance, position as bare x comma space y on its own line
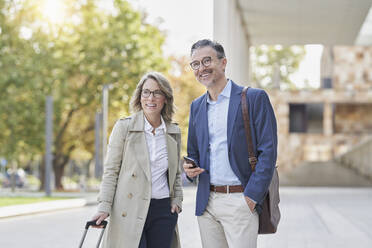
220, 169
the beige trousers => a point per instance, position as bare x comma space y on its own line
228, 222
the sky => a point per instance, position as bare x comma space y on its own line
309, 69
184, 21
188, 21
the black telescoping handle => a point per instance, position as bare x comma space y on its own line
93, 224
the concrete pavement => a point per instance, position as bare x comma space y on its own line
319, 217
323, 217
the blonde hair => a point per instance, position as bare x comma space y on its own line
164, 85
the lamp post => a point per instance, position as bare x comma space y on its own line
105, 112
98, 148
48, 143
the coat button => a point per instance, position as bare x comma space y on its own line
124, 214
130, 195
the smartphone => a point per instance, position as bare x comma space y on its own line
191, 161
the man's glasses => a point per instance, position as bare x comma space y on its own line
156, 93
206, 61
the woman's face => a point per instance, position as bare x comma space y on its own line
152, 98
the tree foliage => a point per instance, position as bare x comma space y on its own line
275, 63
71, 61
186, 88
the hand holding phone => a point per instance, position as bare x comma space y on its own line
191, 161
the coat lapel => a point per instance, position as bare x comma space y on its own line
140, 145
235, 98
201, 127
172, 159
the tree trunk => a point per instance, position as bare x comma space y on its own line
59, 164
87, 168
58, 174
42, 174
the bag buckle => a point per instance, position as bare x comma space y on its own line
252, 160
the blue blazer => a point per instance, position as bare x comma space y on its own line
264, 135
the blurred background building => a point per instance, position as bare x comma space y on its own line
334, 121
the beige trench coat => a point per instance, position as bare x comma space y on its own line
125, 191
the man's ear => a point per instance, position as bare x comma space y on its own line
224, 63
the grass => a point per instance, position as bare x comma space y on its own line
9, 201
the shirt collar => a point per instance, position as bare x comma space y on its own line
226, 92
149, 127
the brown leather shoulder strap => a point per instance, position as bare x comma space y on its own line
251, 156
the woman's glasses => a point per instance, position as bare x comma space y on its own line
156, 93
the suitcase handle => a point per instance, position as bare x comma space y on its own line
93, 224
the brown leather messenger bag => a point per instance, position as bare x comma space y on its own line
270, 216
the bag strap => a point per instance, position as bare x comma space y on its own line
251, 155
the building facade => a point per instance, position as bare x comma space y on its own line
324, 124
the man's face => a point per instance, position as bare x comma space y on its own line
212, 70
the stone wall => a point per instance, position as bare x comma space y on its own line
347, 110
294, 148
352, 69
359, 158
353, 118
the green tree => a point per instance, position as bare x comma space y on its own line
71, 61
274, 64
186, 88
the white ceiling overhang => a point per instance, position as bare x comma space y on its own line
288, 22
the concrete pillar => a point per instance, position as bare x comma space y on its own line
328, 119
229, 30
326, 67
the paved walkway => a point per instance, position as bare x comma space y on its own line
322, 218
317, 217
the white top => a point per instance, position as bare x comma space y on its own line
158, 154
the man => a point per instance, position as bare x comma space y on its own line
229, 194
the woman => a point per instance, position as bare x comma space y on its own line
141, 188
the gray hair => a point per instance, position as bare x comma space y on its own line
205, 43
164, 85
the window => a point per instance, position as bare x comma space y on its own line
306, 118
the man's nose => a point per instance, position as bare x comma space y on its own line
201, 67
